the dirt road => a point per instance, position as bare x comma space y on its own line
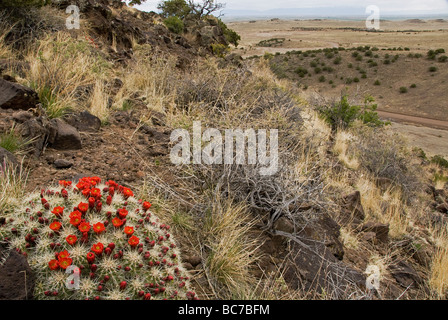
403, 118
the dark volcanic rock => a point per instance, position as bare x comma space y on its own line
7, 157
16, 278
62, 164
67, 137
313, 268
16, 96
380, 230
352, 210
84, 121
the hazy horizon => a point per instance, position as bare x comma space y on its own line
324, 8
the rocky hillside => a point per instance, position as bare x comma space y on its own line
351, 214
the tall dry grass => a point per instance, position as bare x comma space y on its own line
59, 65
12, 186
228, 249
438, 278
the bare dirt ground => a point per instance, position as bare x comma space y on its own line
421, 114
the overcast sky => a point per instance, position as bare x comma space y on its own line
386, 6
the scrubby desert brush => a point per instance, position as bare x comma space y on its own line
386, 156
114, 245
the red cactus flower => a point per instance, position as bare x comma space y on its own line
112, 183
71, 239
83, 207
133, 241
109, 200
123, 285
90, 257
64, 193
64, 183
129, 230
98, 248
95, 193
111, 191
122, 213
127, 193
99, 206
63, 254
117, 222
58, 211
98, 227
65, 263
75, 221
53, 264
86, 192
146, 205
84, 227
55, 225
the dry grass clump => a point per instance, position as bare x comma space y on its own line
61, 64
12, 186
438, 280
228, 249
150, 79
340, 148
99, 102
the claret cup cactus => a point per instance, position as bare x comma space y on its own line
95, 240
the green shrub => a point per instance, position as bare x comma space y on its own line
341, 115
432, 69
377, 83
443, 59
221, 50
439, 160
403, 90
301, 71
337, 60
174, 24
322, 79
231, 36
413, 85
174, 8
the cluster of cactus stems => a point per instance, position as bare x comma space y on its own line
95, 240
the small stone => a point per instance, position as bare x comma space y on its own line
62, 164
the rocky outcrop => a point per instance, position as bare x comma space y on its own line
16, 96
